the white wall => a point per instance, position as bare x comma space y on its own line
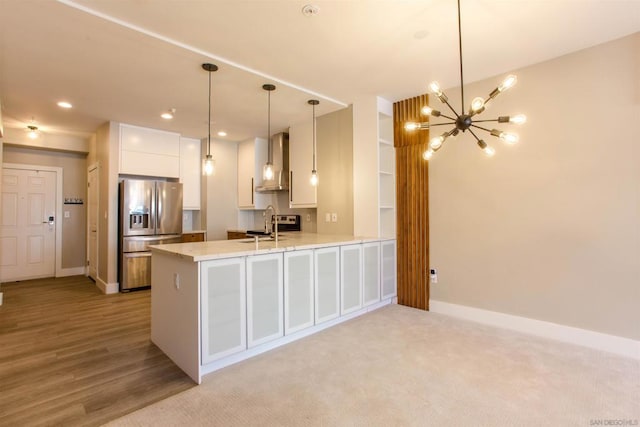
548, 229
221, 190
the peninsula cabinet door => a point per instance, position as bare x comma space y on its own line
298, 290
371, 273
350, 278
327, 283
223, 305
264, 298
388, 269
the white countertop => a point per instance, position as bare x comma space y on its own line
203, 251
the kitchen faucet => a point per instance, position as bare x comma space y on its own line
275, 216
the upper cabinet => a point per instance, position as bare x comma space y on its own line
149, 152
190, 175
252, 154
301, 193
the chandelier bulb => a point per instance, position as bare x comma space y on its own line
518, 119
436, 142
428, 153
489, 151
411, 126
435, 88
510, 81
477, 105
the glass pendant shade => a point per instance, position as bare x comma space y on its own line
32, 132
314, 178
267, 171
209, 165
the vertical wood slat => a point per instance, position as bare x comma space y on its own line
412, 178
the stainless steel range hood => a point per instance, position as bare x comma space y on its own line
280, 151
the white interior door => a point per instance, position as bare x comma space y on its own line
92, 223
27, 224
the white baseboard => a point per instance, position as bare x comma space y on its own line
597, 340
107, 288
75, 271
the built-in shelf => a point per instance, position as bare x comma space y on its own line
386, 171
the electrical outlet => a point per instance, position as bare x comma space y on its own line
176, 280
334, 217
67, 214
433, 275
308, 217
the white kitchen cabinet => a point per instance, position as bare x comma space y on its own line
370, 273
149, 152
224, 314
301, 193
327, 283
252, 154
350, 278
298, 290
264, 298
190, 176
388, 268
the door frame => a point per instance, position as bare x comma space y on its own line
94, 166
58, 201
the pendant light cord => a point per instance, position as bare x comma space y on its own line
314, 136
209, 127
269, 148
460, 46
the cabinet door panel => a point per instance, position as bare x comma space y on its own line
327, 284
351, 278
371, 273
298, 290
223, 308
190, 176
388, 269
264, 298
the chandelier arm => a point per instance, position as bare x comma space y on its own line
474, 135
479, 127
451, 108
460, 50
441, 124
447, 117
482, 121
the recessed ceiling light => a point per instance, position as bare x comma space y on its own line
168, 115
64, 104
222, 133
310, 10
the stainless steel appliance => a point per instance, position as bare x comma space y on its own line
285, 223
280, 151
150, 214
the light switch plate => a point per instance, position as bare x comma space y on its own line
334, 217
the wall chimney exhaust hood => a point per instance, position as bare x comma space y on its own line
280, 150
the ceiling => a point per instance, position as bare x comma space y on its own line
131, 60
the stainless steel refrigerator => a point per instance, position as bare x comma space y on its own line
150, 214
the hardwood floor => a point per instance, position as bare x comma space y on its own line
70, 355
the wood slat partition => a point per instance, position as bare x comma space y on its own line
412, 192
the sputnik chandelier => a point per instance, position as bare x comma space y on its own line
466, 121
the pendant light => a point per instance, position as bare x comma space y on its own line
209, 163
267, 171
32, 130
314, 173
466, 121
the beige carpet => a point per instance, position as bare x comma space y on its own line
403, 367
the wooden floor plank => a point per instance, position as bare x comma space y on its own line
72, 356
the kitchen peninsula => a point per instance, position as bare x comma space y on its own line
219, 302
